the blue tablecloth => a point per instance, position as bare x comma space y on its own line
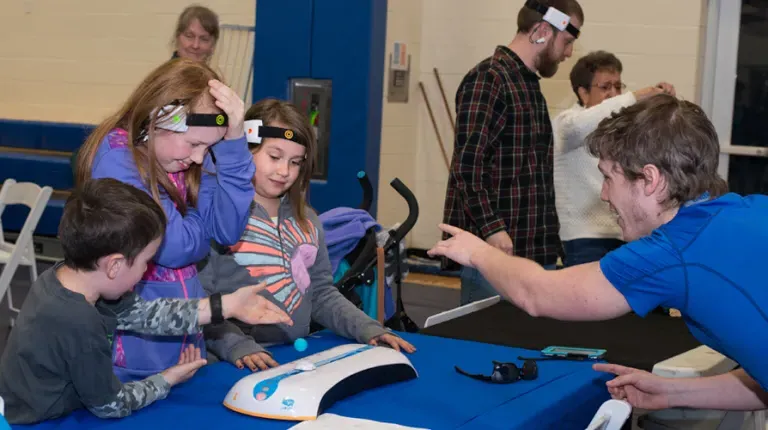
565, 395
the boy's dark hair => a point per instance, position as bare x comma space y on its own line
583, 72
104, 217
528, 17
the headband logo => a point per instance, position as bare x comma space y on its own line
220, 119
288, 134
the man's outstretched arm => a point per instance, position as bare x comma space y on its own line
734, 390
575, 293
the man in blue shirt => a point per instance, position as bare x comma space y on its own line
690, 246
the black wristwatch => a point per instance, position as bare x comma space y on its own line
217, 313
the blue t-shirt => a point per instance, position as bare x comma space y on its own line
711, 263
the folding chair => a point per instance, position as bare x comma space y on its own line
23, 251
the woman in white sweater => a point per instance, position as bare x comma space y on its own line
588, 226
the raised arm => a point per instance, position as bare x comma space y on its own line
573, 126
225, 197
643, 274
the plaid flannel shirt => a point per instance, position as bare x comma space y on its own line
501, 175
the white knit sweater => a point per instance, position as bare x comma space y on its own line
577, 180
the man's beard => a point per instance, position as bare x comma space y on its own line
547, 66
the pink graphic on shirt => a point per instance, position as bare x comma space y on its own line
117, 138
281, 256
303, 258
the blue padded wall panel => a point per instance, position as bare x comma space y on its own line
43, 135
282, 46
348, 47
54, 171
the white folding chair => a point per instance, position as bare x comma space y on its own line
22, 253
233, 58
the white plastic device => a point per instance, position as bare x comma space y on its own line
303, 389
558, 19
611, 416
252, 130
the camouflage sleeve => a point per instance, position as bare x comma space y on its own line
163, 317
133, 396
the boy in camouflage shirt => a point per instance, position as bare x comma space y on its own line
59, 355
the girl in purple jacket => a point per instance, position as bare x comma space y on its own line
161, 141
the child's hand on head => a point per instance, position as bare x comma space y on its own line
232, 105
395, 342
190, 361
258, 361
249, 307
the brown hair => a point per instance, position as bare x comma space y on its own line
104, 217
207, 18
528, 17
272, 111
583, 72
672, 134
178, 81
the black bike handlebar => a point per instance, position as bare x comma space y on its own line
413, 211
365, 184
367, 257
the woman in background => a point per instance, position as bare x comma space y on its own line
197, 32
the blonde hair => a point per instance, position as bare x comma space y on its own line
272, 111
178, 81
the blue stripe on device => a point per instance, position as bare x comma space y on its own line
266, 388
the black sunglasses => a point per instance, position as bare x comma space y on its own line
506, 373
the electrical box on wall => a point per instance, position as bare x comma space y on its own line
331, 63
313, 97
399, 74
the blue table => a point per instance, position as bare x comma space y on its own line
565, 395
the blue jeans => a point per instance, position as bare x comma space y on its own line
475, 287
580, 251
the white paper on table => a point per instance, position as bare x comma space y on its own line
334, 422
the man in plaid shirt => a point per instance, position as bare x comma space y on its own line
501, 186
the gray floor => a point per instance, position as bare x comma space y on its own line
420, 301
